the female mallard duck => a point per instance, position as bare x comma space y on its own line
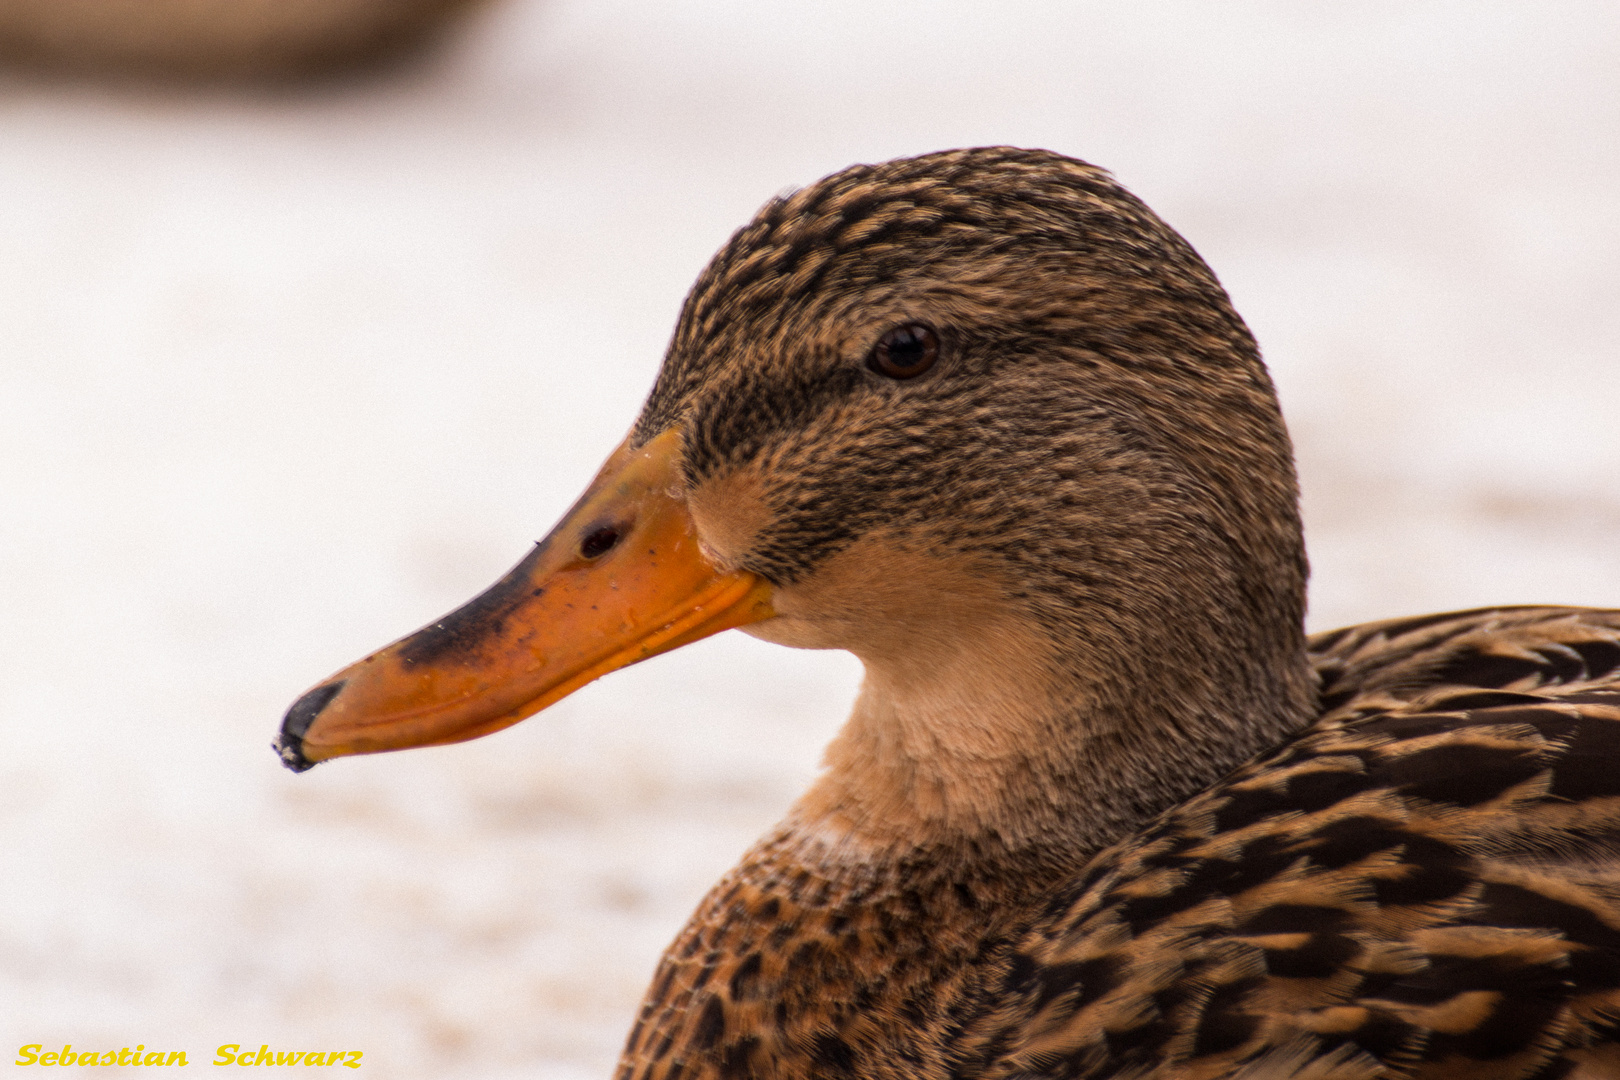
1101, 810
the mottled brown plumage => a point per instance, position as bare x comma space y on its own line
1099, 811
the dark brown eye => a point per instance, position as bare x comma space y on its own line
904, 352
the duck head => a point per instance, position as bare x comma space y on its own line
982, 419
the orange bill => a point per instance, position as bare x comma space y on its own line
621, 578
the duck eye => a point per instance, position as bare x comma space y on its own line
904, 352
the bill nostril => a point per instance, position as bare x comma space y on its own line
599, 541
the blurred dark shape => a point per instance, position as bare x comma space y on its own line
218, 40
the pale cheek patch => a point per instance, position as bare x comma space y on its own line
729, 513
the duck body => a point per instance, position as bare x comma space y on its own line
1100, 809
1422, 883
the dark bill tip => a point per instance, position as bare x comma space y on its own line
290, 746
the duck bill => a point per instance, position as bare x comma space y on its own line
620, 579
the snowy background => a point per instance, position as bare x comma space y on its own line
285, 375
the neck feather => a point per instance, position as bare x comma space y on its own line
1002, 748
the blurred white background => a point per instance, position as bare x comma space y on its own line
286, 375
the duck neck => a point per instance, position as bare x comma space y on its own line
980, 769
955, 801
1001, 752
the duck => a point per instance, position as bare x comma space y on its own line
214, 42
1101, 808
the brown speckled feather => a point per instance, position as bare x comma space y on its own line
1425, 877
1422, 884
1101, 811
